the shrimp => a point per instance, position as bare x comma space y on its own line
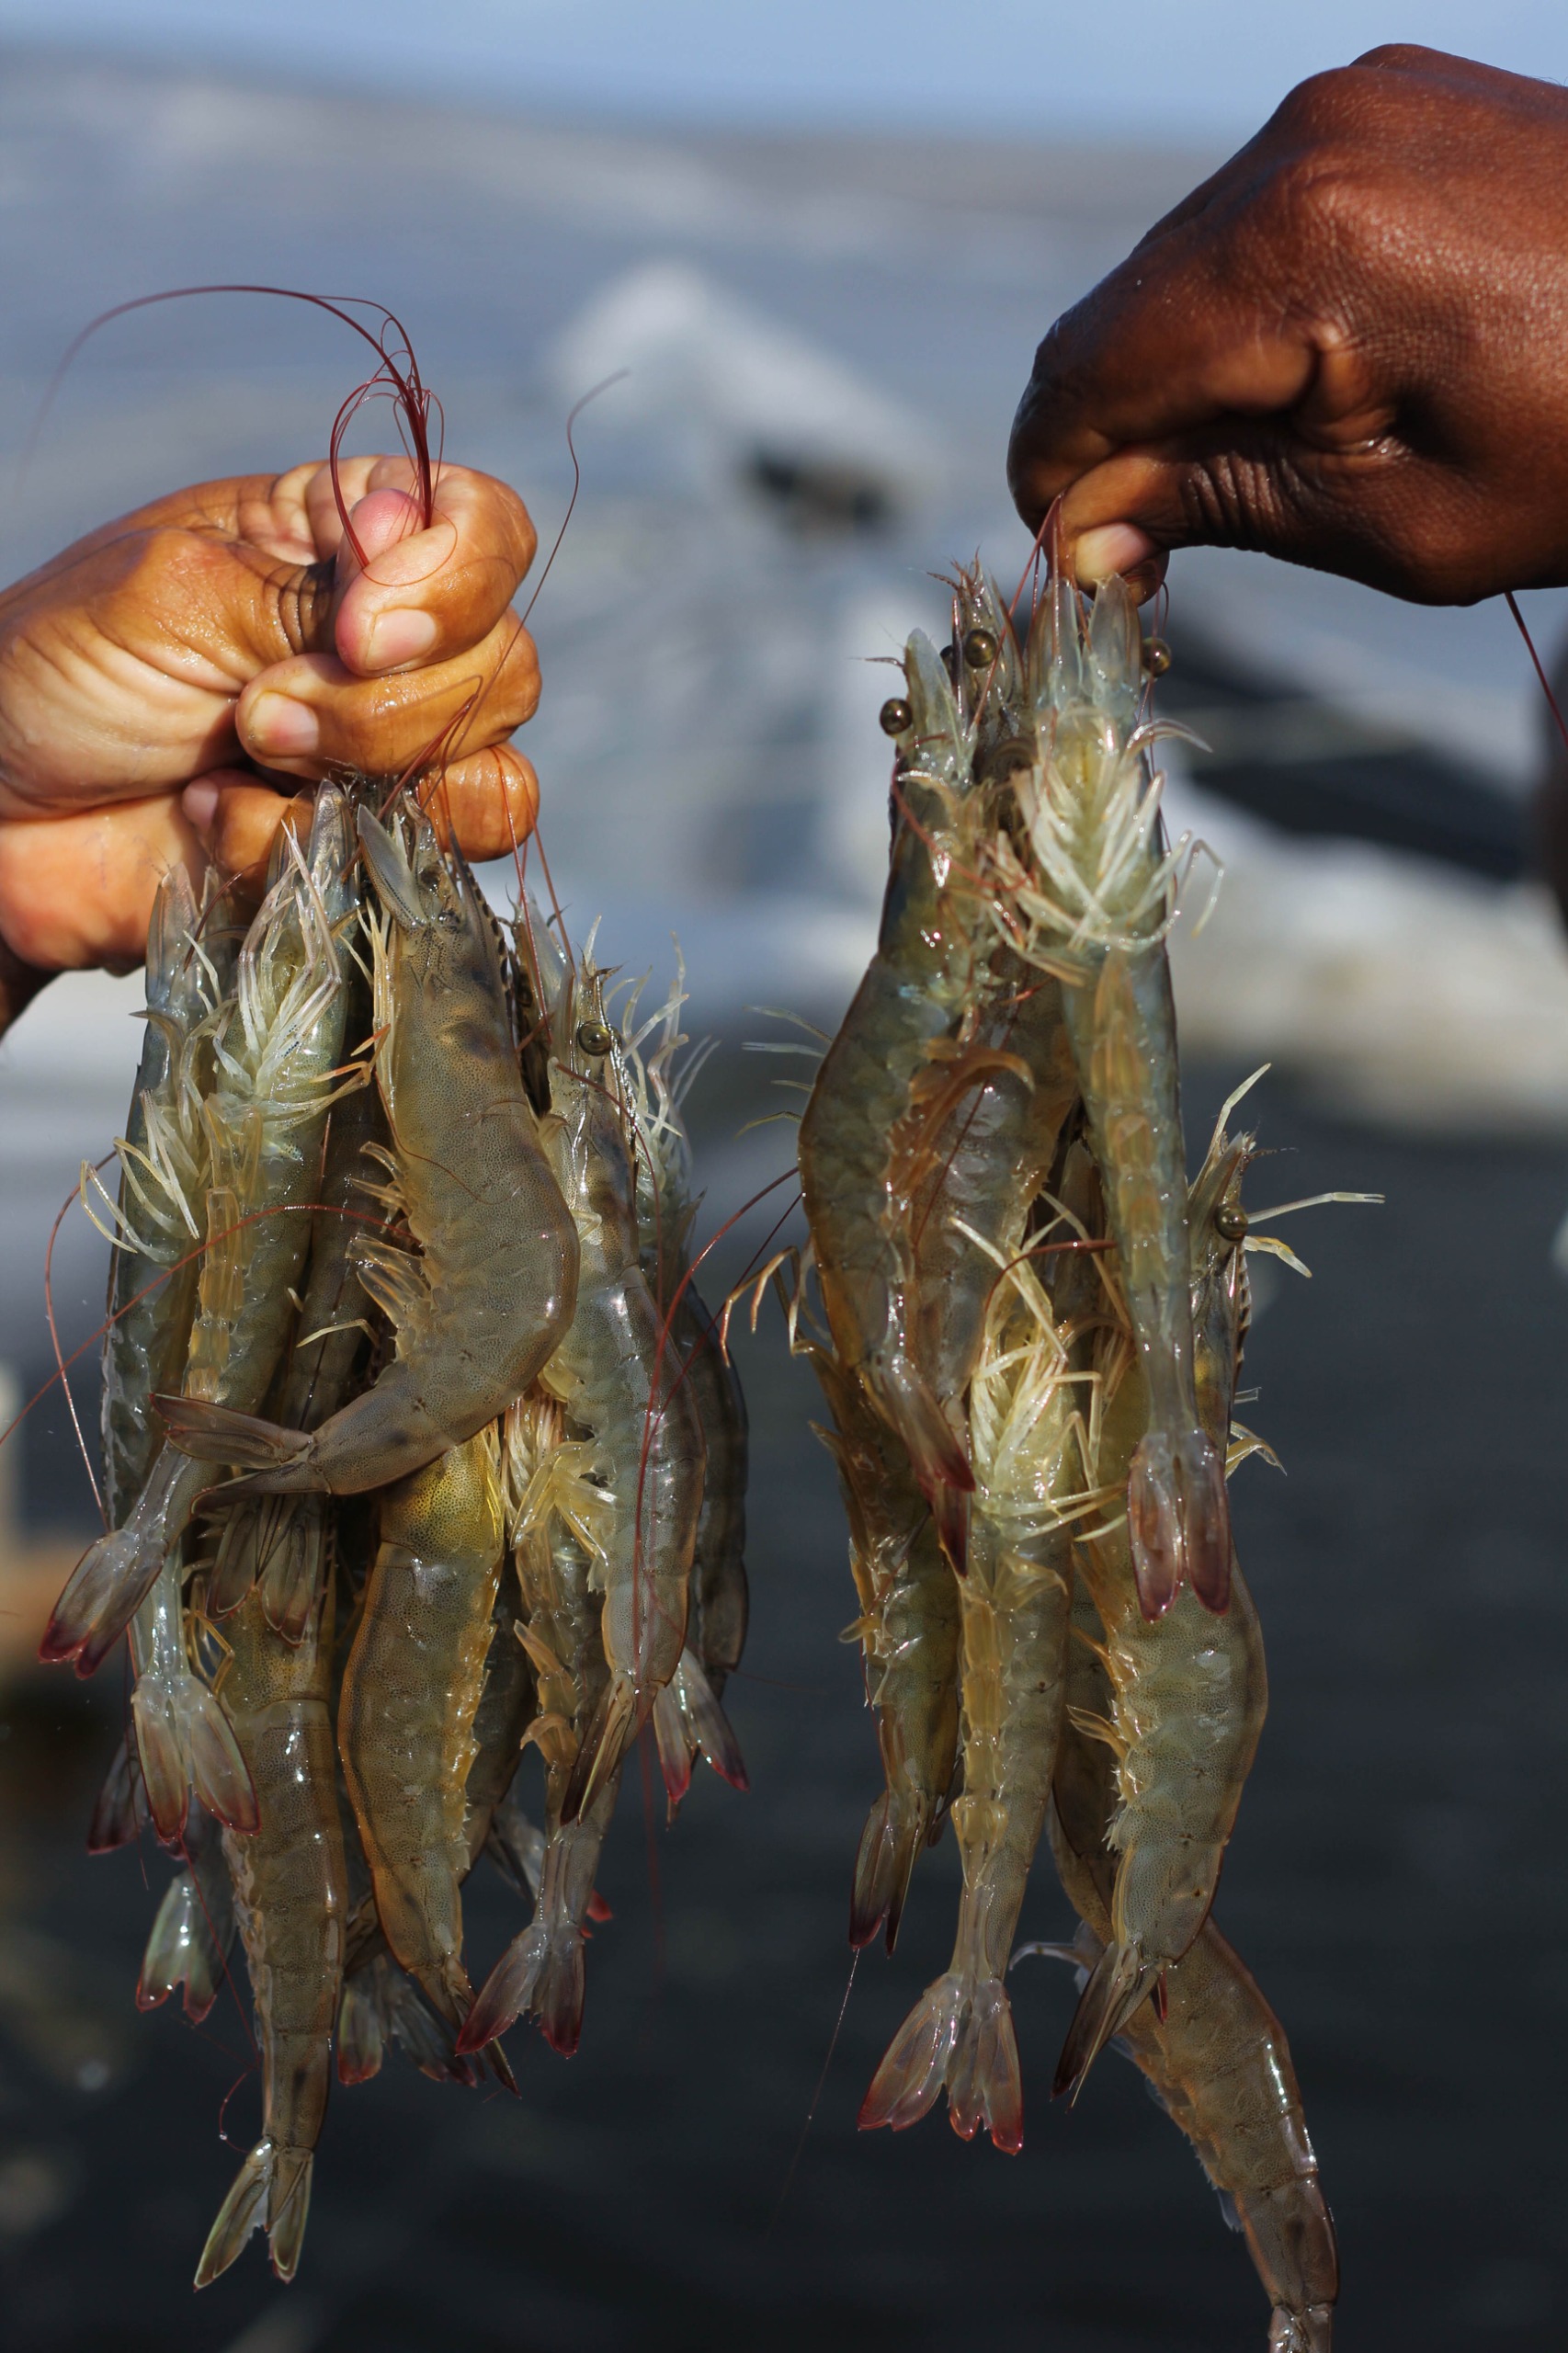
194, 1927
263, 1118
1188, 1695
560, 1522
1082, 893
687, 1717
614, 1369
410, 1690
914, 996
1029, 1446
1188, 1691
283, 1540
163, 1157
290, 1887
1218, 2061
492, 1293
908, 1631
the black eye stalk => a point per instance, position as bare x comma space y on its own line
979, 649
895, 718
1230, 1221
594, 1037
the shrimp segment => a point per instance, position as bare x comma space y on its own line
411, 1691
1083, 893
263, 1118
558, 1519
482, 1306
291, 1890
614, 1371
1028, 1448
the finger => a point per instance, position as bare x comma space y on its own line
426, 593
488, 804
237, 821
78, 891
303, 716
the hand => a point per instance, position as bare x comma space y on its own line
165, 683
1349, 348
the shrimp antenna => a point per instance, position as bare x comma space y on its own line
577, 481
400, 375
1512, 602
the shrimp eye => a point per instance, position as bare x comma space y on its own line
594, 1037
1156, 656
979, 649
1230, 1221
895, 718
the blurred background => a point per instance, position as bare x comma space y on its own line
822, 243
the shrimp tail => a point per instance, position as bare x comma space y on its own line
182, 1950
165, 1765
292, 1549
915, 2066
890, 1848
960, 2034
273, 2185
120, 1811
219, 1773
604, 1744
984, 2084
279, 1461
689, 1721
380, 2003
1117, 1984
507, 1992
1304, 2332
362, 2035
102, 1594
936, 1453
1179, 1521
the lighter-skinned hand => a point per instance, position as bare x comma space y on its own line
166, 683
1349, 349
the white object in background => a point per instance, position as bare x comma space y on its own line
742, 387
1405, 992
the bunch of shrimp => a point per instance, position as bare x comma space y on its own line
1030, 1332
419, 1448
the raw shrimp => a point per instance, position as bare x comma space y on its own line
687, 1717
158, 1222
410, 1690
923, 977
1187, 1690
183, 1736
290, 1894
283, 1540
1084, 893
1218, 2062
908, 1631
1028, 1446
275, 1054
491, 1294
559, 1522
614, 1369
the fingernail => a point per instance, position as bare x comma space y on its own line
199, 803
1113, 547
405, 634
278, 724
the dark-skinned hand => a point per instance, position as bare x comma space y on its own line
1349, 349
166, 683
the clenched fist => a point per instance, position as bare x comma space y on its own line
165, 683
